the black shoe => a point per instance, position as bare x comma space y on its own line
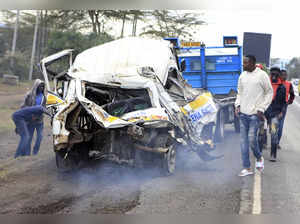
273, 159
278, 147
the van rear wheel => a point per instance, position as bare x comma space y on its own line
169, 161
65, 164
219, 132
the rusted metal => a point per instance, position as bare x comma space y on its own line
61, 138
149, 149
135, 131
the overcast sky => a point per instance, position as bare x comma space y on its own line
224, 17
281, 19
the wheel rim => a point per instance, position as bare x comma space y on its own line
171, 159
221, 126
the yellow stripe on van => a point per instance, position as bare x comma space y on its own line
111, 119
183, 110
200, 101
52, 99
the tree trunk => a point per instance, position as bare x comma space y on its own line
92, 15
134, 24
34, 45
123, 24
13, 49
98, 24
39, 37
43, 30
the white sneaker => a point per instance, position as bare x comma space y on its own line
260, 164
245, 172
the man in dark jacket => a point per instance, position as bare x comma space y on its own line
290, 96
36, 96
275, 111
21, 117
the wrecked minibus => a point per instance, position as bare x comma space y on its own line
126, 101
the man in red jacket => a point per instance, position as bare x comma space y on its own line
275, 111
290, 96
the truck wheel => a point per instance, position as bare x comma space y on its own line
64, 165
236, 124
169, 161
219, 132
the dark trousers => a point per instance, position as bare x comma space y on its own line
275, 122
281, 125
39, 127
22, 130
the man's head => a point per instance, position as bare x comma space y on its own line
283, 74
41, 88
275, 74
249, 63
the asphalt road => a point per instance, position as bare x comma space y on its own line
197, 187
32, 185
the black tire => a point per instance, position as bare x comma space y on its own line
205, 156
236, 124
219, 132
169, 161
65, 164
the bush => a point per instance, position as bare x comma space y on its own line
20, 66
59, 41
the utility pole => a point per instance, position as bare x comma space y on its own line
34, 44
13, 49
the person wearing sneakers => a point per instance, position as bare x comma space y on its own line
262, 130
276, 110
290, 96
253, 98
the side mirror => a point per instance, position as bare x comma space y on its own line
182, 65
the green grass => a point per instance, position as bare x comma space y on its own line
6, 123
10, 100
10, 89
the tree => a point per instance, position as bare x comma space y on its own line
72, 39
100, 18
136, 16
293, 68
169, 23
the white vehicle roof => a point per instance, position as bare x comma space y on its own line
99, 64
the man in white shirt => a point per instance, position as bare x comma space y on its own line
255, 94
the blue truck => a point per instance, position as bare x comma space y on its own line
216, 69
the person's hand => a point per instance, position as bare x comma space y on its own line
237, 111
280, 115
34, 118
260, 115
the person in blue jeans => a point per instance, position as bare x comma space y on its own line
21, 117
276, 110
290, 96
36, 96
253, 98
